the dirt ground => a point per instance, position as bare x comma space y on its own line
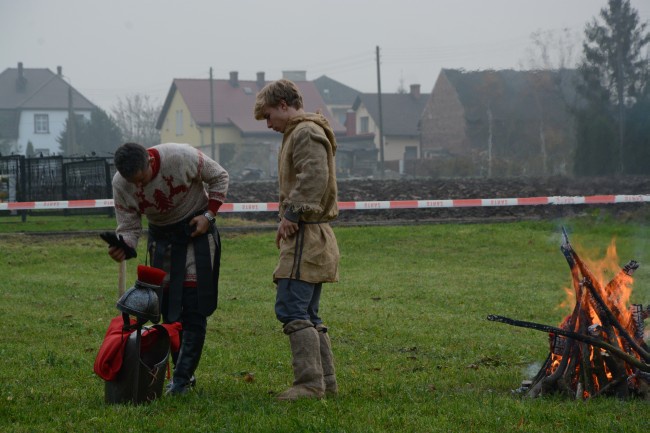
444, 189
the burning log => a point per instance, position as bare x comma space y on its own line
597, 342
599, 348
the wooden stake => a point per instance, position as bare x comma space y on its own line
121, 281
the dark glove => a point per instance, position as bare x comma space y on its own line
112, 240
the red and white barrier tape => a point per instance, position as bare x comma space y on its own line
360, 205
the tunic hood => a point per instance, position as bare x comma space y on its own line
319, 120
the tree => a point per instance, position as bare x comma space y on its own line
552, 49
9, 132
30, 149
99, 135
614, 78
7, 146
136, 116
638, 133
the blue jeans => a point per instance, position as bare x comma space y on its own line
297, 300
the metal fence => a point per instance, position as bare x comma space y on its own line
55, 178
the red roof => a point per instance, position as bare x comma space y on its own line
233, 105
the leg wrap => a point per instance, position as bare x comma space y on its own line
306, 363
327, 360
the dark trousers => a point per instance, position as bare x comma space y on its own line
191, 318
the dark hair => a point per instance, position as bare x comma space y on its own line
130, 158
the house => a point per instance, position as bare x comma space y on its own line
401, 114
338, 97
500, 123
34, 107
223, 126
357, 154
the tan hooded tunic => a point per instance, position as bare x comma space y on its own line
307, 179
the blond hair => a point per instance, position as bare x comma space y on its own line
274, 93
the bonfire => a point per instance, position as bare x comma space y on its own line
598, 349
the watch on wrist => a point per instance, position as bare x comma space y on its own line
210, 218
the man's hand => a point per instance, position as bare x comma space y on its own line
286, 229
117, 248
116, 253
201, 225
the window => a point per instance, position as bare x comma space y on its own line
411, 152
41, 124
363, 128
179, 122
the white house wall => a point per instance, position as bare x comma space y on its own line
394, 147
44, 142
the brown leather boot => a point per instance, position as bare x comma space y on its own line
327, 361
307, 368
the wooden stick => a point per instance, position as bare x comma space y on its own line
595, 289
616, 382
586, 370
559, 372
599, 300
121, 281
584, 338
570, 374
599, 369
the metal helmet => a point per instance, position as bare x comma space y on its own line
142, 300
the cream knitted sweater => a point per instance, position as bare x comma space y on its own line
186, 180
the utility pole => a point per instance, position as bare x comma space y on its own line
381, 119
72, 139
489, 116
212, 143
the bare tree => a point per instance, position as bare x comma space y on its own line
553, 49
136, 116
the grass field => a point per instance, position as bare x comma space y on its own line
414, 350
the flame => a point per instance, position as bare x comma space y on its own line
570, 300
614, 286
618, 291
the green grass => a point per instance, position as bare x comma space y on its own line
44, 221
414, 350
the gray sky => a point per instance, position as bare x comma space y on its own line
110, 49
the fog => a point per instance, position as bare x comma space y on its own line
112, 49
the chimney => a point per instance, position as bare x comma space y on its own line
295, 75
59, 71
415, 91
350, 123
21, 81
234, 79
260, 80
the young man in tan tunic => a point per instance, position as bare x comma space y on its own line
309, 254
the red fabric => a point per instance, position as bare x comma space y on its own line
155, 164
109, 359
214, 205
151, 275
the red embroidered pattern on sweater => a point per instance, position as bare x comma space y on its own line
163, 201
173, 190
143, 203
